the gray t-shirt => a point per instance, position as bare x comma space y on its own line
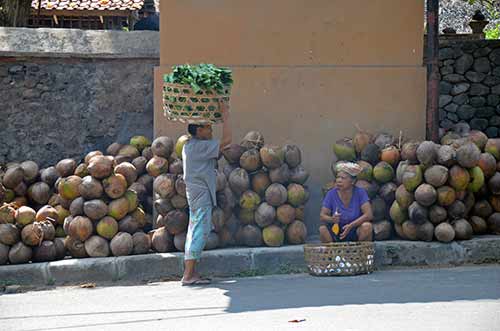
200, 161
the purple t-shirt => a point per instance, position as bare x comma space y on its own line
348, 214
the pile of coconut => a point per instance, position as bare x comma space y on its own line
428, 191
96, 207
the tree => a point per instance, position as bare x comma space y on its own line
14, 12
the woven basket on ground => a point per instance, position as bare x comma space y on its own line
339, 259
181, 103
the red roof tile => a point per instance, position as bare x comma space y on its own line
88, 4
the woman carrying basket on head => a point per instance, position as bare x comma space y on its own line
346, 213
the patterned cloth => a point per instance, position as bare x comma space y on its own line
200, 225
352, 169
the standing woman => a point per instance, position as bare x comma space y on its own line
346, 213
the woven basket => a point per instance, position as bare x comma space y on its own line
339, 259
181, 103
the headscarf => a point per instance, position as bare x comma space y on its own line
350, 168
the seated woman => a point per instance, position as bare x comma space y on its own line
346, 213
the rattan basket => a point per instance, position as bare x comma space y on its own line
339, 259
181, 103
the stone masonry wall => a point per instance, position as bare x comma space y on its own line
470, 85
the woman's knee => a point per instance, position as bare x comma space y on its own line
324, 235
365, 232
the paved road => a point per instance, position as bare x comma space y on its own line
465, 298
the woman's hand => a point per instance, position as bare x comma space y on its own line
346, 229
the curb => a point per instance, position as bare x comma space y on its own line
240, 262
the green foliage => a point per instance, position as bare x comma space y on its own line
206, 77
493, 33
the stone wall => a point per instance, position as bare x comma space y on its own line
80, 92
470, 85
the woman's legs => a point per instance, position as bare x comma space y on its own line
324, 235
365, 232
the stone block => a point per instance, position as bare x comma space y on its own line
226, 262
482, 64
24, 274
279, 260
475, 77
149, 266
83, 270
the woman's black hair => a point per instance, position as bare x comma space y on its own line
193, 128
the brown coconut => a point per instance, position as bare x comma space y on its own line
436, 175
140, 164
225, 238
382, 230
260, 183
20, 201
30, 170
483, 209
220, 182
68, 187
494, 184
175, 167
391, 155
7, 214
232, 153
218, 219
239, 181
97, 246
426, 195
129, 152
446, 196
418, 214
250, 160
162, 241
95, 209
463, 229
4, 254
107, 227
121, 244
456, 210
371, 154
272, 156
128, 224
286, 214
479, 225
114, 148
427, 153
296, 233
468, 155
128, 171
141, 243
90, 188
265, 215
49, 176
360, 140
147, 153
91, 155
398, 228
75, 247
488, 164
49, 231
293, 155
180, 241
437, 214
273, 236
66, 167
176, 221
298, 175
410, 230
388, 192
179, 202
370, 188
115, 186
446, 156
250, 235
20, 253
280, 175
140, 216
246, 216
76, 207
22, 188
494, 223
32, 234
9, 234
163, 206
164, 186
425, 231
379, 208
25, 215
403, 197
81, 170
444, 232
101, 166
384, 140
60, 249
162, 146
47, 213
80, 228
253, 139
459, 178
39, 193
157, 166
409, 151
118, 208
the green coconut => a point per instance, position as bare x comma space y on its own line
140, 142
7, 214
273, 236
397, 214
246, 216
68, 187
404, 198
272, 156
296, 195
459, 178
344, 150
493, 147
446, 196
412, 177
25, 215
366, 171
249, 200
157, 166
476, 181
179, 145
383, 172
118, 208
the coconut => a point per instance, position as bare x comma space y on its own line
21, 188
457, 210
141, 243
425, 231
75, 247
265, 215
404, 198
163, 206
493, 147
97, 246
436, 175
383, 140
426, 195
494, 184
81, 170
488, 164
180, 241
391, 155
30, 170
483, 209
250, 235
179, 145
239, 181
67, 222
246, 216
179, 202
80, 228
366, 171
463, 229
446, 196
164, 186
20, 201
121, 244
276, 194
388, 192
225, 238
469, 202
20, 253
286, 214
218, 219
49, 176
162, 241
400, 169
139, 215
280, 175
133, 200
253, 139
293, 155
446, 156
397, 214
47, 213
140, 164
379, 208
273, 236
7, 214
427, 153
479, 138
66, 167
90, 188
233, 153
382, 230
296, 195
459, 178
479, 225
176, 221
9, 234
39, 193
95, 209
250, 160
148, 181
147, 153
128, 171
101, 166
162, 146
272, 156
140, 142
418, 214
212, 241
128, 224
409, 151
60, 249
76, 207
371, 154
32, 234
249, 200
370, 188
476, 179
361, 140
383, 172
115, 186
410, 230
260, 183
118, 208
444, 232
494, 223
65, 203
412, 177
129, 152
398, 228
60, 232
91, 155
25, 215
107, 227
437, 215
68, 187
296, 233
4, 254
468, 155
113, 149
157, 166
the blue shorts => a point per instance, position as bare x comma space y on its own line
352, 236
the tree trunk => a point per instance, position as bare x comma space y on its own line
15, 12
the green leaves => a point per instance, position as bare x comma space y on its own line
202, 77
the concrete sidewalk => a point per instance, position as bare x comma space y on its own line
232, 262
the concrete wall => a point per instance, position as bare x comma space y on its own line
305, 72
67, 92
